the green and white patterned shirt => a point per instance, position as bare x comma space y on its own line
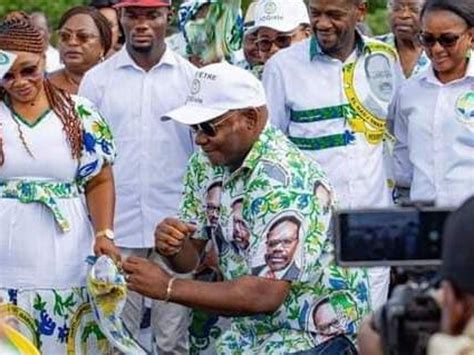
269, 219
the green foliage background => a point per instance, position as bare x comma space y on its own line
55, 8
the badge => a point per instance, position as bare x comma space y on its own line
465, 108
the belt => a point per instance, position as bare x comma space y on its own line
46, 193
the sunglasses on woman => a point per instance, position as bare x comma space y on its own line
281, 41
28, 73
81, 37
210, 129
445, 40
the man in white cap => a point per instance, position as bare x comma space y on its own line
269, 295
330, 95
279, 24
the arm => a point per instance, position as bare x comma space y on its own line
403, 168
100, 197
247, 295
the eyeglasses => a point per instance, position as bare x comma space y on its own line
445, 40
281, 41
412, 8
28, 73
81, 37
210, 129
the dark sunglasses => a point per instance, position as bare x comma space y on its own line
81, 37
281, 41
445, 40
27, 73
210, 129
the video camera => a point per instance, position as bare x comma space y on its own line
410, 239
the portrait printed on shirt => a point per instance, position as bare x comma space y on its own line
323, 194
465, 108
327, 320
374, 83
240, 230
281, 255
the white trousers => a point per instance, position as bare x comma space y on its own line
169, 321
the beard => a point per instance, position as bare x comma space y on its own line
142, 49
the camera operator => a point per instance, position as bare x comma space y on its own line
456, 297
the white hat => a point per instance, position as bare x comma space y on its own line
217, 89
280, 15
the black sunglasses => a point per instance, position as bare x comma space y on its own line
281, 41
445, 40
210, 129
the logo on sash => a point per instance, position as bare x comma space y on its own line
465, 108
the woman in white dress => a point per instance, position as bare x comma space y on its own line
56, 193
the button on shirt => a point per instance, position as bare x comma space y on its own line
306, 91
434, 126
151, 154
273, 217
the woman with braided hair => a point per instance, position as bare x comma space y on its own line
56, 193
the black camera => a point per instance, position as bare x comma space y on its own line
410, 239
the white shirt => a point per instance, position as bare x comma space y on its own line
305, 91
53, 60
434, 126
151, 155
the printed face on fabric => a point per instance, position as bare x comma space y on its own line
282, 241
334, 23
144, 27
240, 231
378, 71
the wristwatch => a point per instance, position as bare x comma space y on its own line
107, 233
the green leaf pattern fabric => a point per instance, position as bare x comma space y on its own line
270, 218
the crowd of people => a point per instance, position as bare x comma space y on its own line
208, 165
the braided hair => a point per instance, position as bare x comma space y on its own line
17, 33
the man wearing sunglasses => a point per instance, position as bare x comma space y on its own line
268, 307
135, 87
278, 25
330, 94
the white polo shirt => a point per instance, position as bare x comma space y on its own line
308, 96
151, 155
434, 126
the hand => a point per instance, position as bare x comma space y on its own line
146, 277
105, 246
170, 236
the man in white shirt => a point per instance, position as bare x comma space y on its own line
329, 95
133, 89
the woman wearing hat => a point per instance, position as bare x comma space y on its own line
434, 111
56, 193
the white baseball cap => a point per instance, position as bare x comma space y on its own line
217, 89
280, 15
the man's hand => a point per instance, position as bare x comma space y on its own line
170, 236
106, 246
146, 277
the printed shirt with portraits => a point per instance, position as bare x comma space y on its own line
276, 190
422, 63
316, 100
434, 126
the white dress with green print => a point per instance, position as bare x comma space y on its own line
45, 231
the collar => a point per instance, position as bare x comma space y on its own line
124, 60
430, 77
256, 152
315, 49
